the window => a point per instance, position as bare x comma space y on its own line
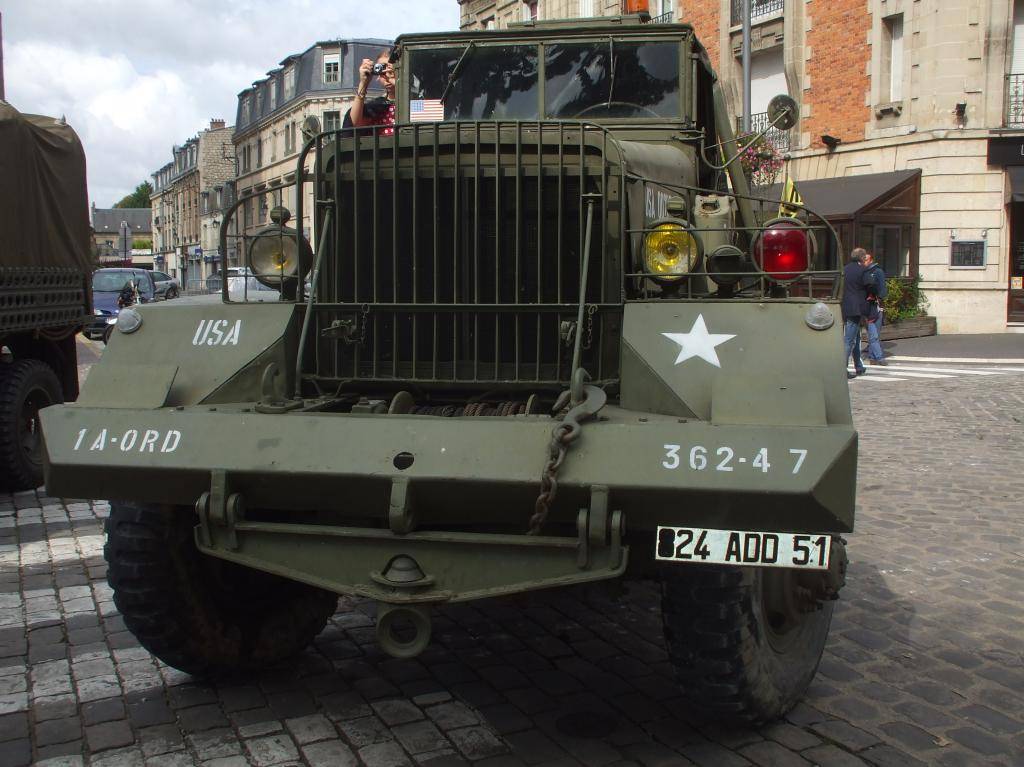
273, 94
332, 67
332, 121
245, 109
289, 137
967, 254
247, 213
488, 23
892, 59
289, 83
259, 153
530, 10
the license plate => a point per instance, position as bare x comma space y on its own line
743, 547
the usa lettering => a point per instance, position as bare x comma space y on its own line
128, 441
217, 333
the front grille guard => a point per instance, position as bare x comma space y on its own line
560, 321
456, 260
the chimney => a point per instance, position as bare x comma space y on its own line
216, 123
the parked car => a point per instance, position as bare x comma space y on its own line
166, 286
106, 287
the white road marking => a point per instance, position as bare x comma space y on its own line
925, 369
880, 373
957, 360
878, 378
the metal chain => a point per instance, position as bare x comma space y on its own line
591, 311
561, 437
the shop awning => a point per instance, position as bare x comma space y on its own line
1015, 183
848, 196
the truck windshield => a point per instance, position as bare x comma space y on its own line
498, 82
611, 79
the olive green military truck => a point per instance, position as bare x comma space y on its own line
546, 336
45, 266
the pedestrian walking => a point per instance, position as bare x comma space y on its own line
877, 291
855, 297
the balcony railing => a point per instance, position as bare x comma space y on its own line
1015, 101
665, 18
758, 9
776, 137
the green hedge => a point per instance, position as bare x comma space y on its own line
905, 299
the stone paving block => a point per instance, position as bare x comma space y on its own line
271, 749
311, 728
58, 731
477, 742
16, 753
387, 754
330, 753
832, 756
420, 737
101, 737
103, 711
214, 744
393, 712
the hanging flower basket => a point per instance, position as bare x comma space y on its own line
761, 161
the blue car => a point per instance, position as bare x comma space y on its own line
106, 287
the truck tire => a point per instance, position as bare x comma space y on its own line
744, 642
26, 387
203, 615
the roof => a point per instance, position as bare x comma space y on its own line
109, 219
846, 196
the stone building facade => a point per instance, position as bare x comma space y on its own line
319, 82
895, 85
498, 14
182, 190
886, 86
122, 236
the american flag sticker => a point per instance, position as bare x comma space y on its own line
426, 110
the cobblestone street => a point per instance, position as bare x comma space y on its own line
925, 663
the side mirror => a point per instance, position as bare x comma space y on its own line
783, 112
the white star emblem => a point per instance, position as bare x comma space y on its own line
699, 342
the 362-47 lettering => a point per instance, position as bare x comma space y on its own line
725, 459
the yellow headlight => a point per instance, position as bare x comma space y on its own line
670, 251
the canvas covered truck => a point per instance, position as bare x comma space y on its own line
45, 266
547, 336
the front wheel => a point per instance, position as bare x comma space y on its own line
26, 387
745, 642
201, 614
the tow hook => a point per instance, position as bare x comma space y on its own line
403, 630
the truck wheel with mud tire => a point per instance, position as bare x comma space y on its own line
26, 387
195, 612
745, 642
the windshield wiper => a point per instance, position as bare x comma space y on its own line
456, 71
611, 85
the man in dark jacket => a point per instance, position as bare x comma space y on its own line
855, 297
877, 291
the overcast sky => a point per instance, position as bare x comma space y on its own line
134, 78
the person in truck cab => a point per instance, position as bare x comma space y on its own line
378, 111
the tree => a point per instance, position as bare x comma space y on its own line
137, 199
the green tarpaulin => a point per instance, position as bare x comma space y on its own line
44, 209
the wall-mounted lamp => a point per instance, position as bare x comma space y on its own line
830, 141
952, 234
984, 234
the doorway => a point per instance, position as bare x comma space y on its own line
1015, 297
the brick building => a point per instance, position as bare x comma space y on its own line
187, 193
924, 96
